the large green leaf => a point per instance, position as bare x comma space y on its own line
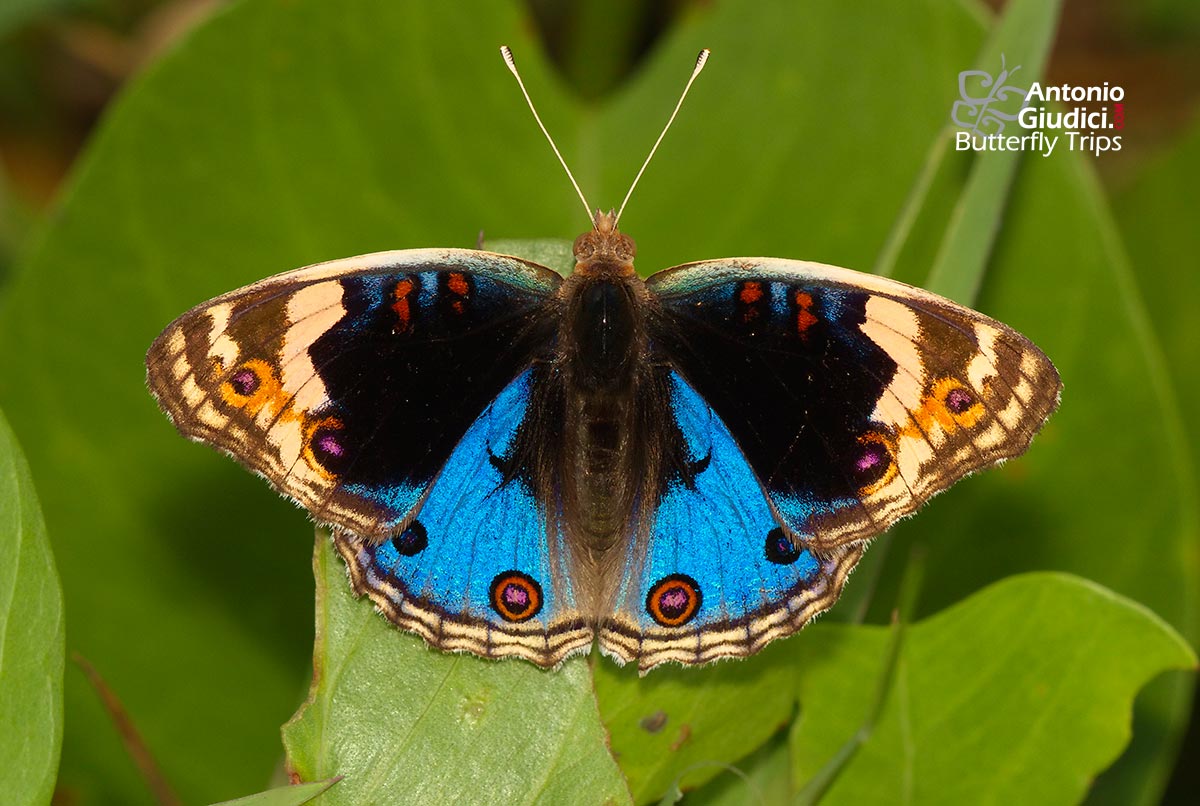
1022, 693
296, 795
406, 724
31, 638
290, 131
1155, 214
678, 726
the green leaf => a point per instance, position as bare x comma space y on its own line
1154, 214
31, 637
766, 779
1022, 693
295, 795
1024, 34
682, 725
413, 725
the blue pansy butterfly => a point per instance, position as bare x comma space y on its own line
516, 464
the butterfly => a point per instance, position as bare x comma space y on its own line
682, 468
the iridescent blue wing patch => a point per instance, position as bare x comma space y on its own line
481, 566
718, 575
348, 384
853, 398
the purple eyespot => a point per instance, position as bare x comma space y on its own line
516, 596
245, 382
674, 600
328, 443
873, 455
958, 400
872, 461
328, 447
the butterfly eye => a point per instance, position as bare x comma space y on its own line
674, 600
516, 596
779, 548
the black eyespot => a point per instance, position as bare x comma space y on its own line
779, 549
412, 540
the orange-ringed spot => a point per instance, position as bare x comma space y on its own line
516, 596
674, 600
244, 382
251, 386
959, 405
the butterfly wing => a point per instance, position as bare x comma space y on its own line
481, 568
853, 398
717, 576
349, 384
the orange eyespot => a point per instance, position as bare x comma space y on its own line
325, 447
674, 600
516, 596
251, 386
958, 405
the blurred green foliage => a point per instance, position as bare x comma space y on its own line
287, 132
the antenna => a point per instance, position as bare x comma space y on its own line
700, 60
512, 68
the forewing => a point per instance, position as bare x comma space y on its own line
853, 398
348, 384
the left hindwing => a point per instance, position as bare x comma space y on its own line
853, 398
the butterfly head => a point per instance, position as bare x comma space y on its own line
605, 245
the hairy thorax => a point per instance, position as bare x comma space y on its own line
602, 348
